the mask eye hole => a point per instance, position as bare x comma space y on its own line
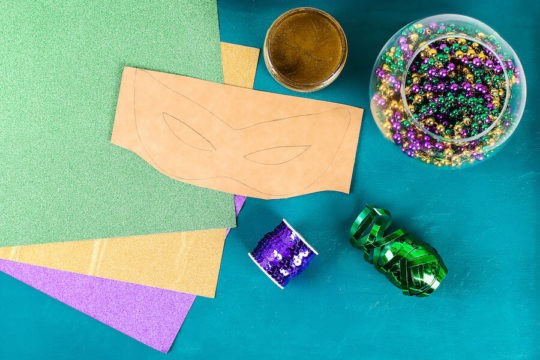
187, 134
277, 155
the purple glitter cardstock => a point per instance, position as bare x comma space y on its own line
239, 201
282, 254
150, 315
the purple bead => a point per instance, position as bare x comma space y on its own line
509, 64
433, 25
454, 87
397, 116
397, 138
442, 46
466, 86
489, 64
490, 106
480, 87
451, 67
440, 87
477, 62
410, 135
432, 72
428, 87
479, 157
439, 146
404, 47
392, 79
415, 88
396, 126
443, 73
402, 40
381, 102
498, 69
427, 145
465, 60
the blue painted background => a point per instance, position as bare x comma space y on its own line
483, 220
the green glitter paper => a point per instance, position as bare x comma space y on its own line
61, 64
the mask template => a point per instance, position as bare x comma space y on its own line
234, 139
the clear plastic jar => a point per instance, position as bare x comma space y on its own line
448, 90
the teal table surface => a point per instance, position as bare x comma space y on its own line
483, 220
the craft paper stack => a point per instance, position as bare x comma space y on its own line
123, 153
64, 182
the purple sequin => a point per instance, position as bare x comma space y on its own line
282, 254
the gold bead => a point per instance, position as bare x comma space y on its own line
438, 65
462, 41
413, 37
469, 77
432, 52
466, 121
459, 54
456, 160
429, 121
448, 152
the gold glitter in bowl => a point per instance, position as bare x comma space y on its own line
305, 49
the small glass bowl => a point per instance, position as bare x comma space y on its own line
448, 90
305, 49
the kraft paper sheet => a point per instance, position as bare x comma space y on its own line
233, 139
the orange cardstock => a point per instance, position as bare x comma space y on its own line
234, 139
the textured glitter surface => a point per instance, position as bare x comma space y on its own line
61, 67
305, 49
149, 315
282, 254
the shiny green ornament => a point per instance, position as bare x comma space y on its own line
411, 265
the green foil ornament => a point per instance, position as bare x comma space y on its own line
411, 265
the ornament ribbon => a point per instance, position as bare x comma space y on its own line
411, 265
